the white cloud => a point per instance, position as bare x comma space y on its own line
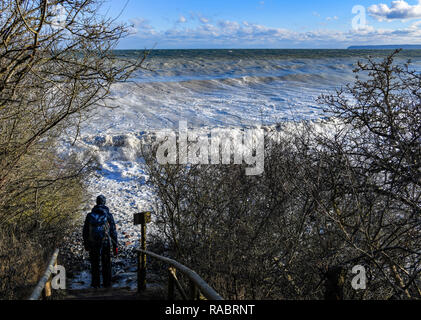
332, 18
415, 25
226, 33
182, 19
398, 10
141, 26
204, 20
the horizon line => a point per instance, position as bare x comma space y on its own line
379, 47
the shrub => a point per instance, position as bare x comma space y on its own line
332, 196
51, 78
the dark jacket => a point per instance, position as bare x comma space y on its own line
96, 218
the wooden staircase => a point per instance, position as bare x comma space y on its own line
151, 293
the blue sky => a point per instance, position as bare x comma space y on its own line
267, 23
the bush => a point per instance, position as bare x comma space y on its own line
51, 78
332, 196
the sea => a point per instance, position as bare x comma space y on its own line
231, 87
207, 89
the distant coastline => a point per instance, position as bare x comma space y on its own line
388, 47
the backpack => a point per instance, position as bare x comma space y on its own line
99, 229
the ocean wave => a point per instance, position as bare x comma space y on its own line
224, 82
176, 71
219, 87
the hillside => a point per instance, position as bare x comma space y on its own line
388, 47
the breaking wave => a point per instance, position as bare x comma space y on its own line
228, 87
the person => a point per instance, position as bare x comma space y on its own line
99, 235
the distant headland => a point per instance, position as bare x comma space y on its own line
388, 47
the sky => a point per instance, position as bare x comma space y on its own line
203, 24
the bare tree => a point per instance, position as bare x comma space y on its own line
53, 73
377, 209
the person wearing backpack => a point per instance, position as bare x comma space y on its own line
99, 235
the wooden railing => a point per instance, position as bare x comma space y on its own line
197, 284
43, 288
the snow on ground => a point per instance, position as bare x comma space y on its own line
121, 178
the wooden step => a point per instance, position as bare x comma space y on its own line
152, 293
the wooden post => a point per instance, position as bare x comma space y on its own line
171, 286
43, 287
139, 271
193, 291
173, 274
46, 292
143, 258
142, 218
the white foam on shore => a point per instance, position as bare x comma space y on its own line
141, 107
121, 178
